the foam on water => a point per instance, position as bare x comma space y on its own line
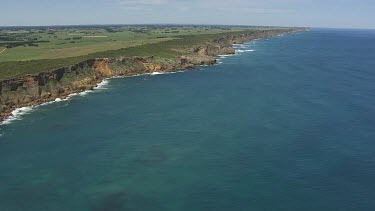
16, 114
157, 73
102, 85
242, 51
224, 56
84, 93
164, 73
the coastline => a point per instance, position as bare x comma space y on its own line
103, 69
18, 112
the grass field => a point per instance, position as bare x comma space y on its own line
72, 42
46, 49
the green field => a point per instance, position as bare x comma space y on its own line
34, 50
72, 42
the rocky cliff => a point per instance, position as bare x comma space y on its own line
47, 86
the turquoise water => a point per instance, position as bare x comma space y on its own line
288, 126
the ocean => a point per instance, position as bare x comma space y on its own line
286, 124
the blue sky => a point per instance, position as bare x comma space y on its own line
314, 13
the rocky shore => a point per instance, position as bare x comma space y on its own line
47, 86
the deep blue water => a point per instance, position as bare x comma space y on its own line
289, 126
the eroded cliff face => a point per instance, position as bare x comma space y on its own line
39, 88
44, 87
47, 86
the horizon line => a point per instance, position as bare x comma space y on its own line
150, 24
180, 24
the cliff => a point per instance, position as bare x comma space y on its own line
36, 89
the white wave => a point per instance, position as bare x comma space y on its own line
242, 51
20, 111
224, 56
46, 103
171, 72
133, 76
16, 114
179, 71
102, 85
121, 76
74, 94
157, 73
84, 93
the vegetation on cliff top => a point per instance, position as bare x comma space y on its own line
102, 44
36, 43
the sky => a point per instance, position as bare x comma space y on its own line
311, 13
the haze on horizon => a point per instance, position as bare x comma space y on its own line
311, 13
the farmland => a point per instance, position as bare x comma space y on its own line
58, 42
30, 50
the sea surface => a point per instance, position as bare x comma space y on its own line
286, 124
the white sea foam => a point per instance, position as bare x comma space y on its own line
134, 75
16, 114
157, 73
102, 85
242, 51
120, 76
84, 93
224, 56
165, 73
74, 94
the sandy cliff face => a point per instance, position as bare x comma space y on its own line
47, 86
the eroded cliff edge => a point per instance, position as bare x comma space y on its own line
39, 88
